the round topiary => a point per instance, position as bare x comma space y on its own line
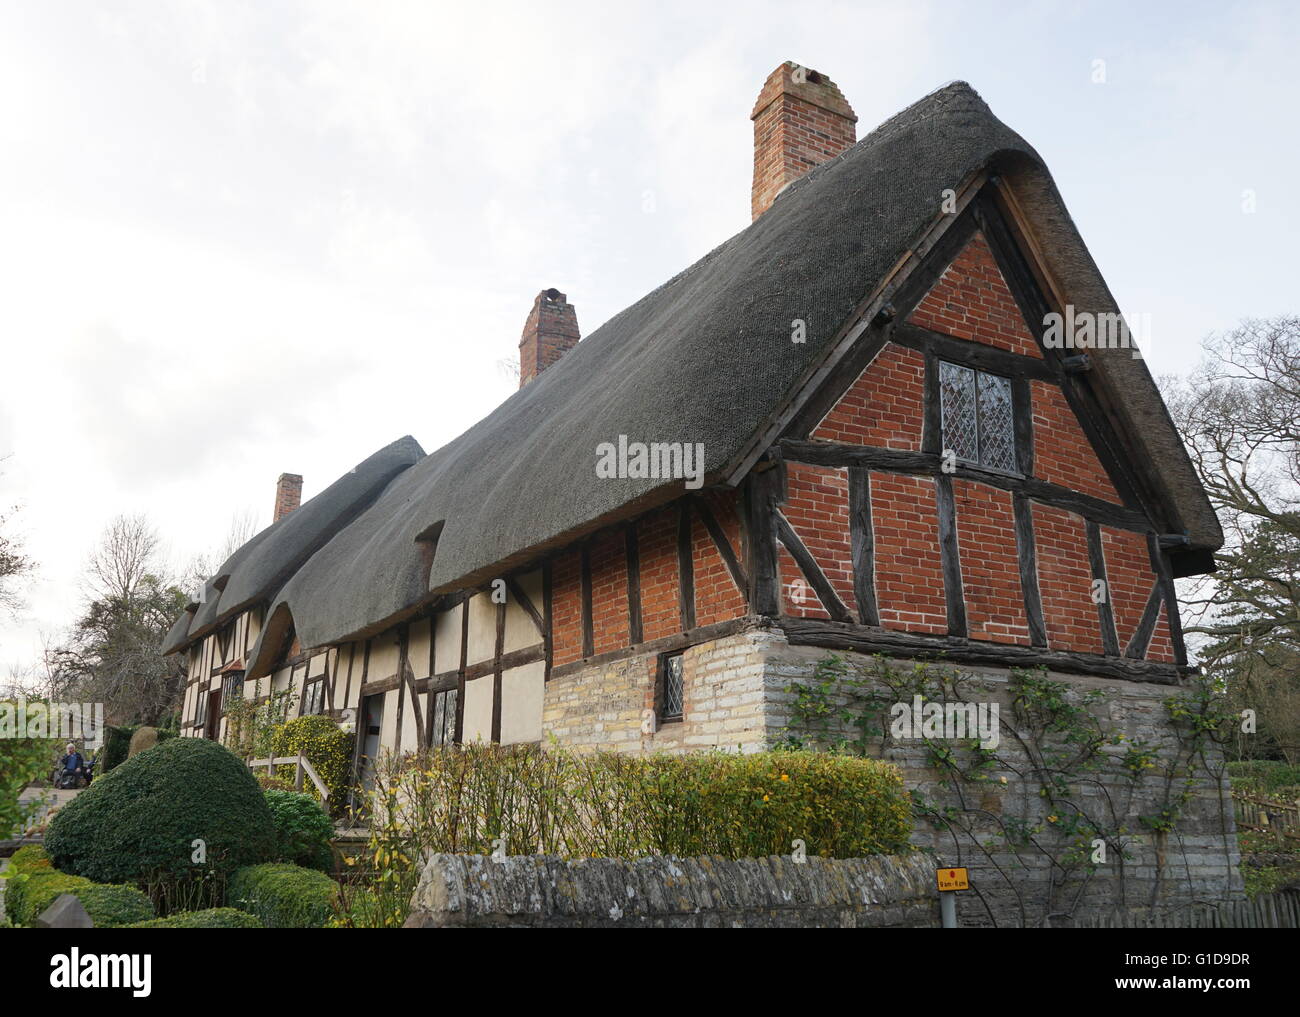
141, 822
143, 738
283, 896
213, 918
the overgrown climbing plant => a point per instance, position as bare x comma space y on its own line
1069, 788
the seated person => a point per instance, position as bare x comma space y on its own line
73, 765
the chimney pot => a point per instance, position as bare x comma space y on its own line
801, 119
550, 332
288, 495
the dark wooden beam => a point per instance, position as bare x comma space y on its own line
811, 570
1027, 554
548, 616
980, 356
499, 651
954, 593
685, 567
588, 622
632, 552
862, 541
760, 494
666, 644
833, 635
464, 658
1137, 646
517, 591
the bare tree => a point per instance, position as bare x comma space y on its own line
1239, 415
15, 565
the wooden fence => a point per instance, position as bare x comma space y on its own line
302, 765
1255, 812
1267, 911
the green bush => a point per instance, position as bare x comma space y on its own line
283, 896
140, 822
117, 742
302, 830
108, 905
29, 859
329, 749
212, 918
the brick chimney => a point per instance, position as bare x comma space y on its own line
550, 332
800, 119
288, 495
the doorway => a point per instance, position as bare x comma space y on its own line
214, 715
372, 722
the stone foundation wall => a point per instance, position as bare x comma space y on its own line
474, 891
738, 698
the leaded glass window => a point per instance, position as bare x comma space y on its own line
978, 417
672, 692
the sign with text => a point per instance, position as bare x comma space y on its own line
952, 879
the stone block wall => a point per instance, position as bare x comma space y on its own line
531, 891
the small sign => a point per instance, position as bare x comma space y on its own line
952, 879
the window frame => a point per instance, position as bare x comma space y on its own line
662, 668
1016, 410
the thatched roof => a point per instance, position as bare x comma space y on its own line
704, 358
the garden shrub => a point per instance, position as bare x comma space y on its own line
613, 805
329, 749
108, 905
283, 896
302, 830
211, 918
1265, 777
117, 743
139, 822
30, 858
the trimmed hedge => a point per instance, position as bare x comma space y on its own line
139, 822
302, 830
117, 742
108, 905
212, 918
31, 858
283, 896
326, 745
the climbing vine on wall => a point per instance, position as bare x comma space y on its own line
1063, 787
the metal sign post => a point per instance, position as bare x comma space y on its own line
950, 881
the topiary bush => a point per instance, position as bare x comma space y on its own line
108, 905
211, 918
326, 745
140, 822
302, 830
283, 896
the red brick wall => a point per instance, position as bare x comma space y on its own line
817, 506
566, 608
660, 607
971, 301
1065, 580
885, 405
1161, 646
990, 565
909, 576
717, 598
609, 618
1128, 574
1062, 452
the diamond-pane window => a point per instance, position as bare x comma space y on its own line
672, 691
978, 417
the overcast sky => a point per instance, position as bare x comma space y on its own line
240, 239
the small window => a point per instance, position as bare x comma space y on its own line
672, 692
978, 420
314, 697
232, 689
